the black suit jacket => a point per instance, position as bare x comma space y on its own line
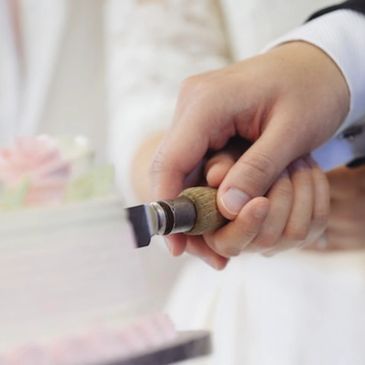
356, 5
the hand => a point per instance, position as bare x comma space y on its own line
287, 101
294, 213
346, 226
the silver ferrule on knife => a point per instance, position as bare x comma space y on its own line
161, 218
193, 212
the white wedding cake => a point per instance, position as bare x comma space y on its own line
69, 272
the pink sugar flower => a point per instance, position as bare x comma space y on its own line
37, 161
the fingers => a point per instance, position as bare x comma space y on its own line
318, 238
206, 119
231, 239
321, 209
176, 244
288, 220
217, 168
298, 221
300, 218
200, 122
321, 244
173, 161
308, 218
254, 172
196, 246
294, 213
281, 197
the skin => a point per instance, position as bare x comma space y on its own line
295, 90
294, 209
346, 229
293, 213
297, 212
342, 189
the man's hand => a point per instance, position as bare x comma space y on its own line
287, 101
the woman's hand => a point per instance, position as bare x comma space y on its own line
346, 226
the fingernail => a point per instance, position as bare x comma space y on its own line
210, 262
268, 254
211, 174
234, 199
298, 165
311, 162
322, 243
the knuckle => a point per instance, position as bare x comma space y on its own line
259, 164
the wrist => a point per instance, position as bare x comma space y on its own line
340, 35
314, 69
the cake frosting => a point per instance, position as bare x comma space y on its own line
72, 286
97, 346
44, 170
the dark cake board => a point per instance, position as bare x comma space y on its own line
187, 345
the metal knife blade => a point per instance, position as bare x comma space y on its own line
144, 221
163, 217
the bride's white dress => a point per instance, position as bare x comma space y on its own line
295, 308
299, 307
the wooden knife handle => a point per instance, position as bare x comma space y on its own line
205, 201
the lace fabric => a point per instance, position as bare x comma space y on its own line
151, 47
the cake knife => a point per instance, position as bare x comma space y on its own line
193, 212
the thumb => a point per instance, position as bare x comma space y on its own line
255, 171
